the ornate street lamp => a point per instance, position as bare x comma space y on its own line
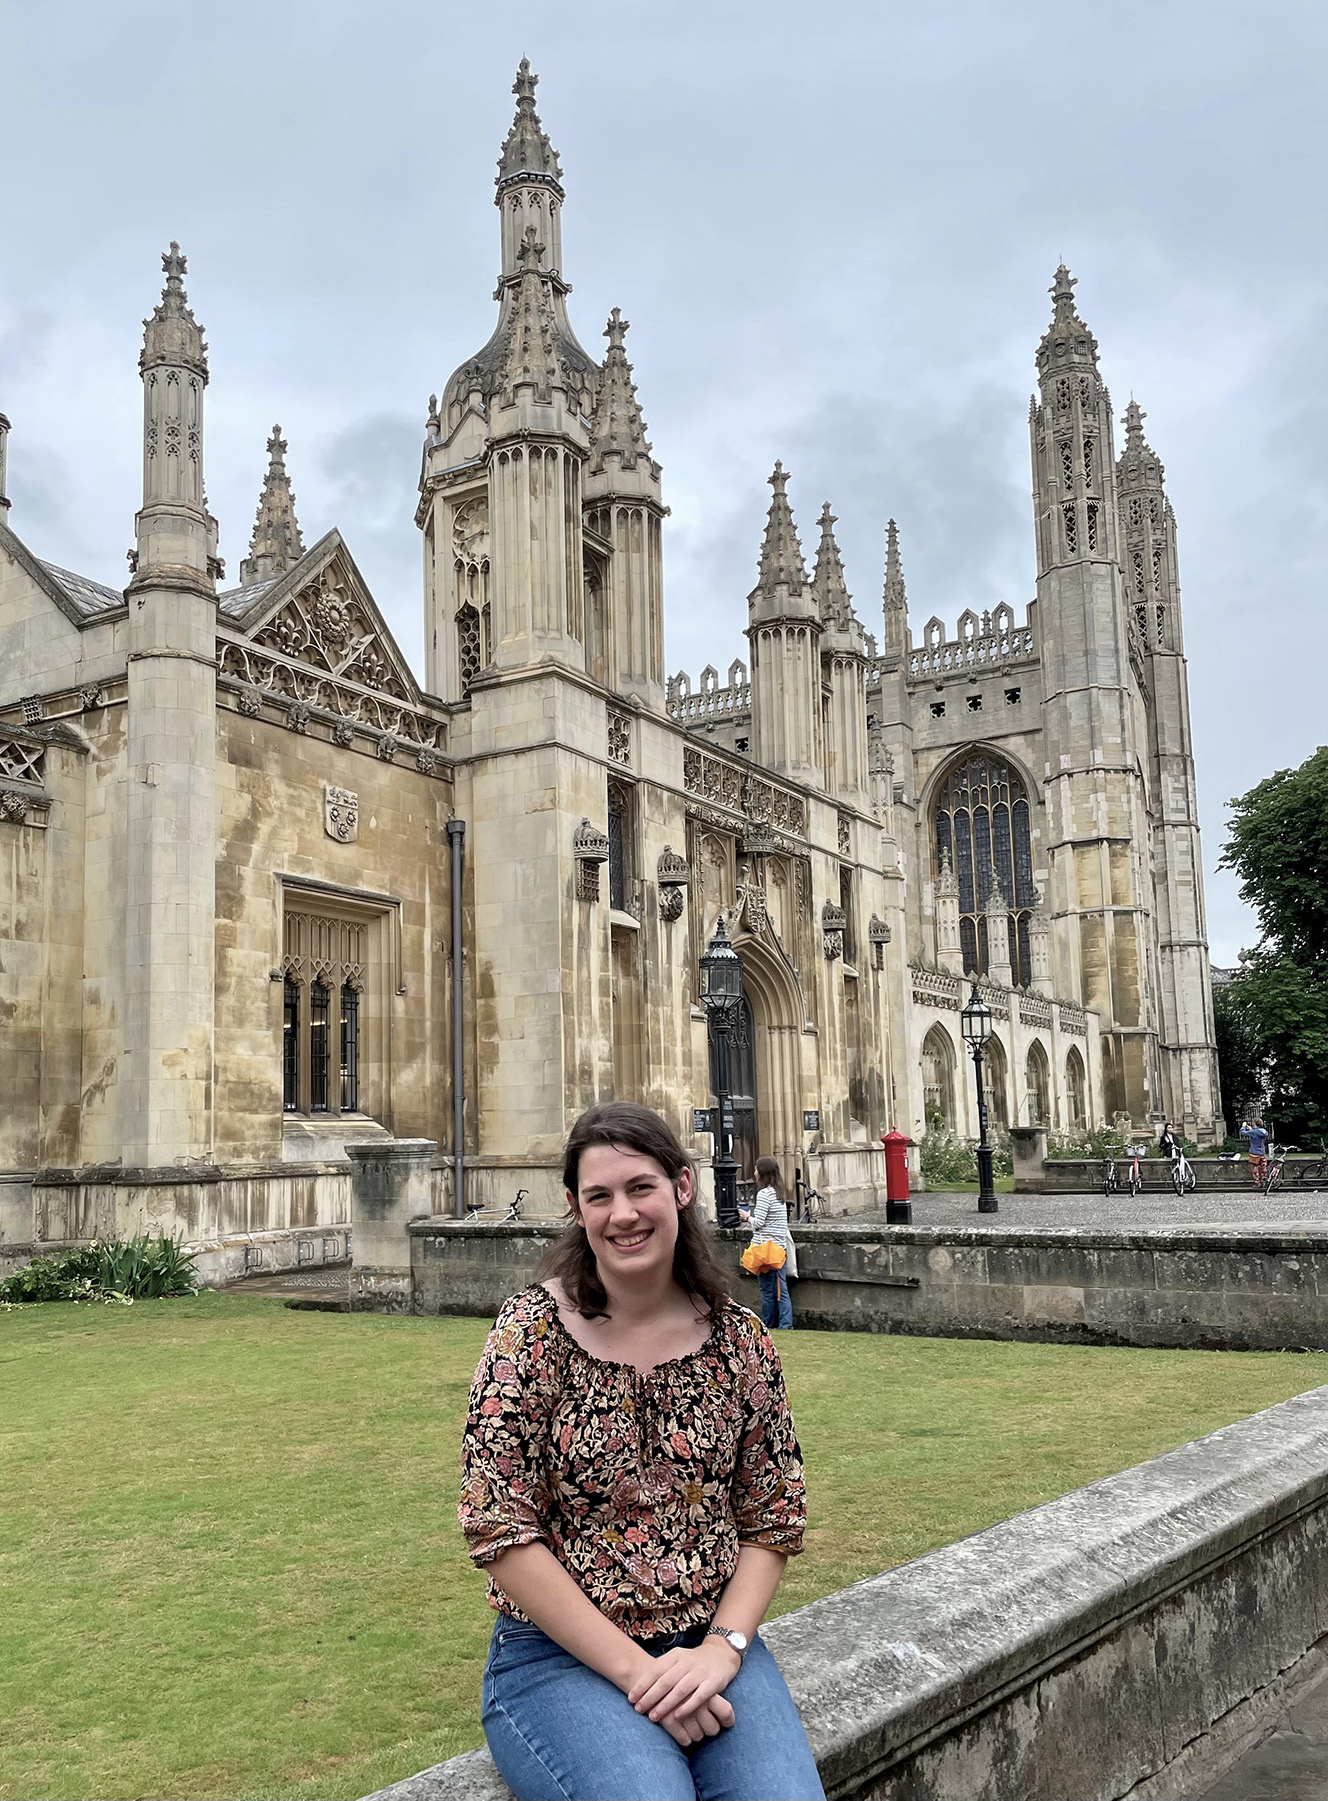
975, 1024
721, 996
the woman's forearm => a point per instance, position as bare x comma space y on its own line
750, 1589
532, 1576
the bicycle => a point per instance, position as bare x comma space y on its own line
1183, 1177
1306, 1176
1135, 1179
808, 1202
1110, 1180
480, 1213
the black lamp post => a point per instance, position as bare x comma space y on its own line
721, 994
975, 1024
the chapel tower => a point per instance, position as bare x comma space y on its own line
501, 485
171, 755
1094, 724
1152, 586
843, 676
784, 630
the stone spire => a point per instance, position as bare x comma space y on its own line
1067, 342
1148, 526
527, 150
172, 335
530, 358
894, 599
833, 601
781, 566
276, 544
617, 428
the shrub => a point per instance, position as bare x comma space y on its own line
1102, 1141
945, 1158
138, 1268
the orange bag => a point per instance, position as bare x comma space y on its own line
763, 1256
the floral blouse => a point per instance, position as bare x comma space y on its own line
643, 1487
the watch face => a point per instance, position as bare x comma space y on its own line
738, 1640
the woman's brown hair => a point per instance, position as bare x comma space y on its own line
767, 1173
627, 1127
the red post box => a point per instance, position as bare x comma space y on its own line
897, 1210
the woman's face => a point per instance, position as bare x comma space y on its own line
629, 1209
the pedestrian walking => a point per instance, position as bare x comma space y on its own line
632, 1484
769, 1220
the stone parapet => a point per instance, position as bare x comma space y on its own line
1131, 1638
1232, 1288
391, 1184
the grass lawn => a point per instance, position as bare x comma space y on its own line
228, 1545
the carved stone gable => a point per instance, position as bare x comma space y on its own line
331, 625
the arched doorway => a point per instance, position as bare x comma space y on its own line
938, 1095
1075, 1090
996, 1081
776, 1017
1037, 1078
742, 1092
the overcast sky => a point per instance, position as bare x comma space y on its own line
832, 228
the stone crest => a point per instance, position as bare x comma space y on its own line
341, 814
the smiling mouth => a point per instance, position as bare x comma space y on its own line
630, 1241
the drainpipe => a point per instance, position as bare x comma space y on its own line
456, 832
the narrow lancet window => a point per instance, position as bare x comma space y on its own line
319, 1007
290, 1047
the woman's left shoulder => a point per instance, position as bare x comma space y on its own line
745, 1332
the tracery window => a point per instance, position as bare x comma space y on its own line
470, 654
1071, 530
621, 864
981, 824
325, 964
1037, 1082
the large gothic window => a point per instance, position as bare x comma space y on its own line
981, 829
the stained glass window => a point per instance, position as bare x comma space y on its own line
981, 821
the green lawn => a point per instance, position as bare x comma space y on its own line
229, 1558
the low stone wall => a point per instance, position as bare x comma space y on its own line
1188, 1287
1083, 1175
239, 1218
1131, 1639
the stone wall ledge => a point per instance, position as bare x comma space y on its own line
1129, 1639
176, 1175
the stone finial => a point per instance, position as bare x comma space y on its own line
276, 544
947, 882
1067, 342
530, 356
781, 552
172, 335
1138, 466
617, 428
526, 149
894, 599
833, 600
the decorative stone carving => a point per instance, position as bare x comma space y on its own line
387, 747
327, 626
834, 923
734, 786
13, 807
671, 903
249, 702
590, 847
672, 874
845, 835
341, 814
297, 717
288, 681
470, 530
88, 698
878, 936
425, 762
936, 988
20, 760
758, 839
343, 733
620, 738
32, 709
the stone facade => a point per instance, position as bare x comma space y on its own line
225, 881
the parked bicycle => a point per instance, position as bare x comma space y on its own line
1110, 1179
481, 1212
1134, 1181
1300, 1175
808, 1202
1183, 1177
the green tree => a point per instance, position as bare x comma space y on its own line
1276, 1009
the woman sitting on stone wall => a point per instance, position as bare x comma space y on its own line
633, 1485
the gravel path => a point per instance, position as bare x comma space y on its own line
1129, 1213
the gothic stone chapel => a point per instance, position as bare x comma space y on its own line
226, 871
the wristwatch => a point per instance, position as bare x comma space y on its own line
737, 1639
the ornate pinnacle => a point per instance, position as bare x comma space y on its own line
781, 553
172, 335
1134, 425
895, 596
1067, 342
529, 357
617, 427
276, 544
1138, 465
527, 150
1062, 288
531, 249
828, 585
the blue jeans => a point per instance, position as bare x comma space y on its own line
776, 1307
559, 1732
